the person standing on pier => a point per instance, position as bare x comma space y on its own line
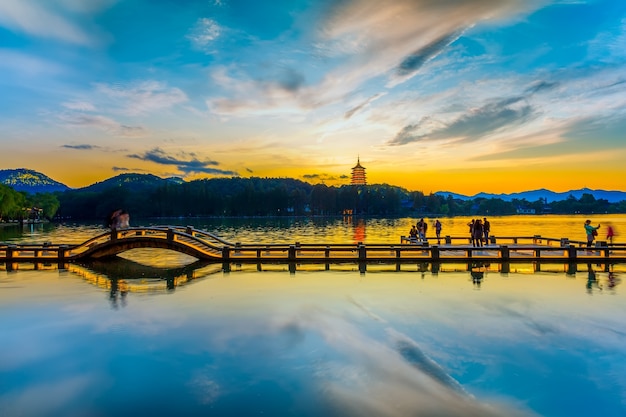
471, 230
610, 233
477, 238
486, 229
421, 229
591, 232
438, 231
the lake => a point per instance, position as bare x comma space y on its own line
153, 333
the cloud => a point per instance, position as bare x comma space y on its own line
39, 20
83, 147
541, 86
203, 33
79, 105
24, 64
143, 97
364, 104
470, 126
185, 162
103, 123
322, 177
356, 44
416, 60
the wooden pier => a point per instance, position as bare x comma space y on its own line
208, 247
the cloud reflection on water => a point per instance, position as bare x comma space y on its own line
395, 378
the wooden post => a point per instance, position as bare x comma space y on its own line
362, 252
170, 235
10, 250
571, 252
327, 252
62, 249
291, 254
189, 230
505, 252
434, 253
448, 240
225, 253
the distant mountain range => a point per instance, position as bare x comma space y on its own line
549, 196
35, 182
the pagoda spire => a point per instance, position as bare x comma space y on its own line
358, 173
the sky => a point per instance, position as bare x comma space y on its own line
464, 96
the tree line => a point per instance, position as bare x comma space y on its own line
20, 206
273, 197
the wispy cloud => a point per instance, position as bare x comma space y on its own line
83, 147
24, 64
45, 20
183, 161
79, 105
359, 43
143, 97
362, 105
470, 126
203, 33
103, 123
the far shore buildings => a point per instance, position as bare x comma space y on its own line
358, 174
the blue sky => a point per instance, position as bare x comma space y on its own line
458, 95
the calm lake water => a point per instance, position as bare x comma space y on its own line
154, 333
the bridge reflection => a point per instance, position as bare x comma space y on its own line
122, 276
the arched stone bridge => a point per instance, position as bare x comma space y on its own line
197, 243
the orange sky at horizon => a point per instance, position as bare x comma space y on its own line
84, 171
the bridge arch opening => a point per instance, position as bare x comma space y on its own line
157, 257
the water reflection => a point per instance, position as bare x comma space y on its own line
284, 340
477, 272
121, 276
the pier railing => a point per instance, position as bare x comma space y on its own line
209, 247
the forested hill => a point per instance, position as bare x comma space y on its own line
291, 197
234, 197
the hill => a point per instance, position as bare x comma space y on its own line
30, 181
131, 182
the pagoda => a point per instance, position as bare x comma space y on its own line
358, 174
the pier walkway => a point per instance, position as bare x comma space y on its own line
206, 246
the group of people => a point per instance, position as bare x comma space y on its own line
592, 232
418, 231
479, 231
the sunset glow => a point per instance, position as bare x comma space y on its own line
462, 96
